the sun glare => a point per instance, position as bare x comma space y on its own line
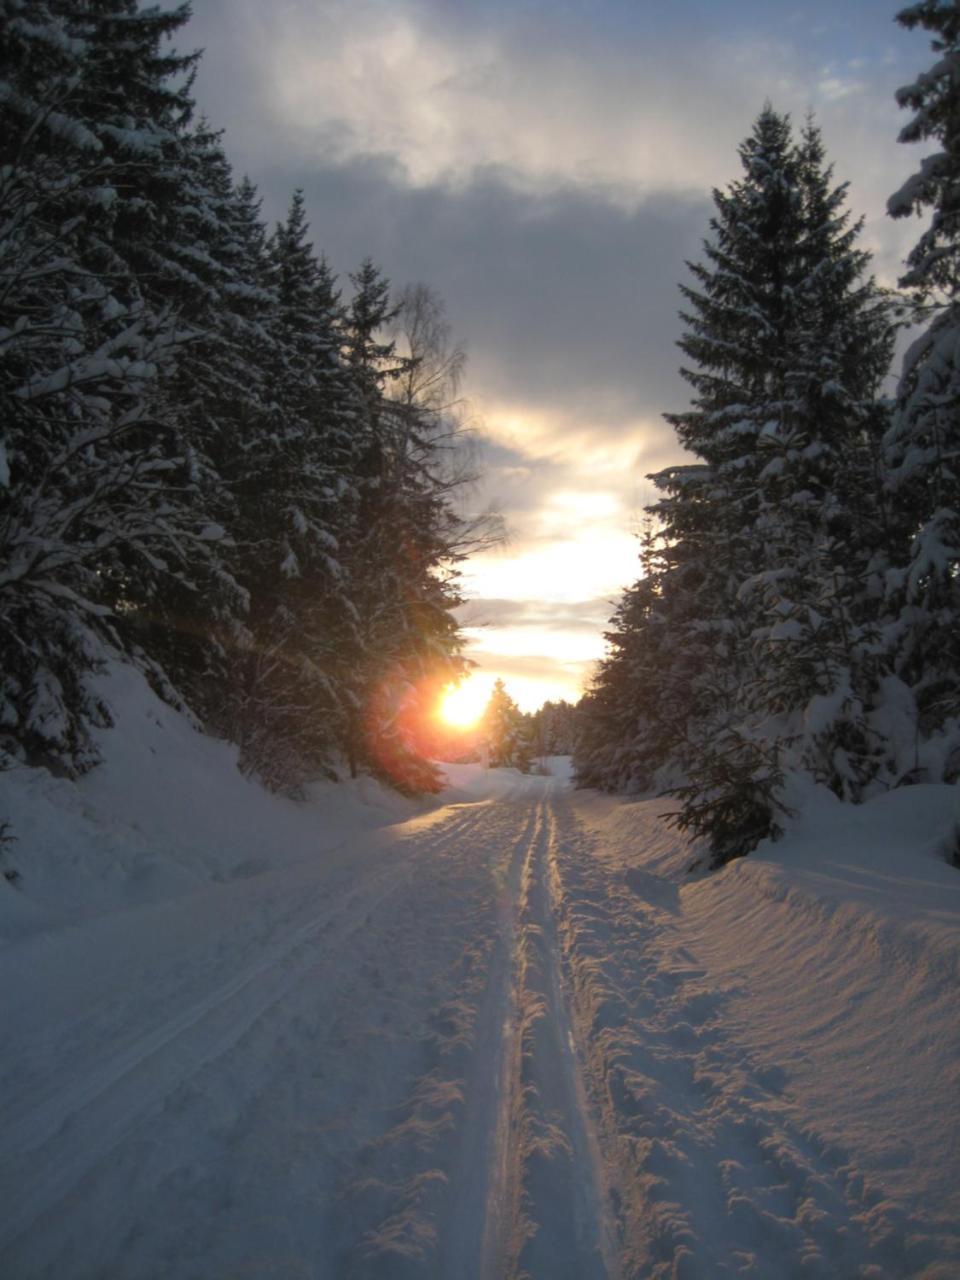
463, 705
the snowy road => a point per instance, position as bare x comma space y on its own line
469, 1045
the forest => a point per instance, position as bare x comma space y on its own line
212, 463
251, 483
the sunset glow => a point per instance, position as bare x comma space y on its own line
462, 705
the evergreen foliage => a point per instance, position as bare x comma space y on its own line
922, 446
410, 540
214, 465
749, 645
552, 729
505, 731
204, 462
95, 504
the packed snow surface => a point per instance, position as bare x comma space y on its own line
504, 1033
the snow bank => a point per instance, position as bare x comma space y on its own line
833, 956
473, 782
222, 1008
847, 938
243, 1029
166, 813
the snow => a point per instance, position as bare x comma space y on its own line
501, 1032
114, 839
812, 991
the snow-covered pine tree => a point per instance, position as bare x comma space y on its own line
794, 341
212, 277
294, 481
759, 583
736, 320
612, 713
429, 472
504, 730
182, 437
91, 473
553, 728
820, 516
923, 444
688, 666
648, 689
409, 540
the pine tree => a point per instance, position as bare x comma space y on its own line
201, 465
295, 483
216, 392
737, 320
408, 545
93, 510
504, 731
614, 716
923, 443
553, 728
821, 517
749, 645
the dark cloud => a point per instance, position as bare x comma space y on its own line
566, 297
565, 294
565, 300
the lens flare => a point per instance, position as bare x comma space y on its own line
461, 706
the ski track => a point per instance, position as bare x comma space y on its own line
106, 1098
485, 1056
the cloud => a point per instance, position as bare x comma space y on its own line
567, 307
553, 95
592, 559
547, 169
533, 678
566, 302
536, 614
591, 96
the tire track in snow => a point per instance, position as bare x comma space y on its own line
107, 1098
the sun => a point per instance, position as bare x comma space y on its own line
461, 706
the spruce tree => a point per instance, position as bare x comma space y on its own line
201, 465
737, 319
922, 447
553, 728
216, 394
407, 547
791, 340
295, 484
96, 508
749, 646
504, 730
821, 517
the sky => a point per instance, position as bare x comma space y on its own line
546, 166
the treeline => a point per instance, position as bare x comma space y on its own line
504, 737
799, 606
523, 739
210, 461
